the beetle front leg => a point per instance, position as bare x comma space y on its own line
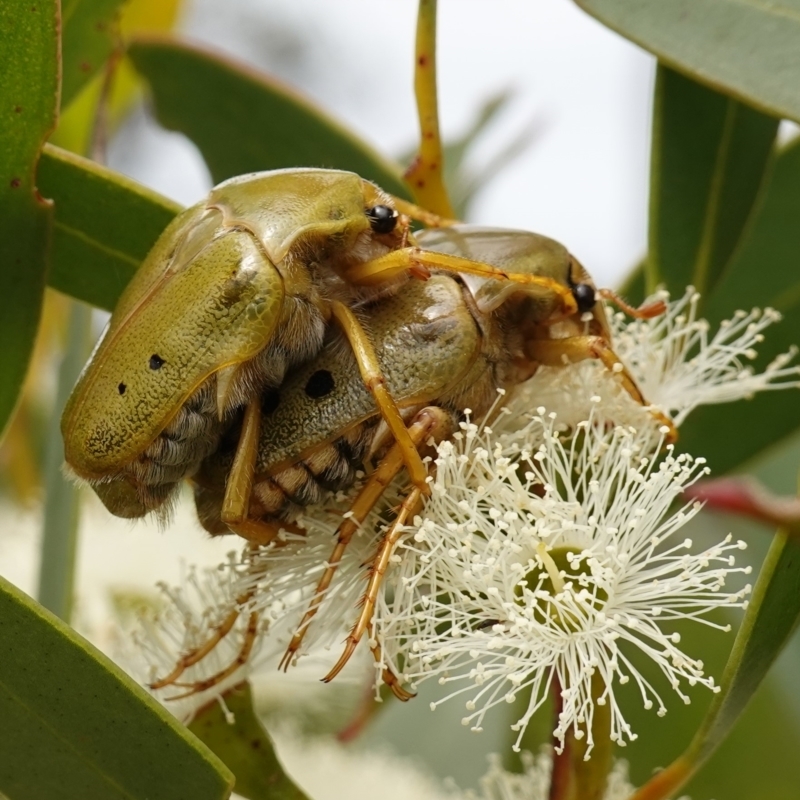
557, 352
417, 262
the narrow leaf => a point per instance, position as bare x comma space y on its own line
771, 618
708, 161
61, 512
242, 743
75, 726
243, 121
747, 48
28, 107
105, 224
89, 35
762, 273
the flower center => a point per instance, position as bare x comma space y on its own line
565, 588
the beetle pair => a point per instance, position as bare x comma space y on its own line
240, 291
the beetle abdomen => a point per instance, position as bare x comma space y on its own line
285, 493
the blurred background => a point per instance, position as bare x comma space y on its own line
565, 153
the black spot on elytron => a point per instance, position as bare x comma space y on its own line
584, 296
270, 401
321, 383
156, 362
382, 219
121, 388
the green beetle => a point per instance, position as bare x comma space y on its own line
443, 346
237, 290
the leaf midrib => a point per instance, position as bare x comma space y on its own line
97, 244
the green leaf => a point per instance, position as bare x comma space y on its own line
89, 36
762, 273
75, 726
105, 224
708, 161
747, 48
61, 506
243, 121
771, 618
245, 747
28, 108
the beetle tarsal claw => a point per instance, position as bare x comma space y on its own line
224, 385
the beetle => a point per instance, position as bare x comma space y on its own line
443, 345
237, 290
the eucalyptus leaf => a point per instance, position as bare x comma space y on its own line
105, 224
709, 157
242, 743
90, 33
771, 618
29, 65
763, 272
243, 121
747, 48
75, 726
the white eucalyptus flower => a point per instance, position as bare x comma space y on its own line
188, 619
193, 612
534, 782
282, 579
675, 361
535, 568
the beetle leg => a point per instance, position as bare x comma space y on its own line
380, 564
250, 636
260, 531
387, 676
199, 653
555, 352
411, 259
654, 309
429, 421
370, 370
240, 481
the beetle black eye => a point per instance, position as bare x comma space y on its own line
156, 362
584, 296
382, 219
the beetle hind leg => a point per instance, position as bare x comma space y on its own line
429, 422
380, 564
